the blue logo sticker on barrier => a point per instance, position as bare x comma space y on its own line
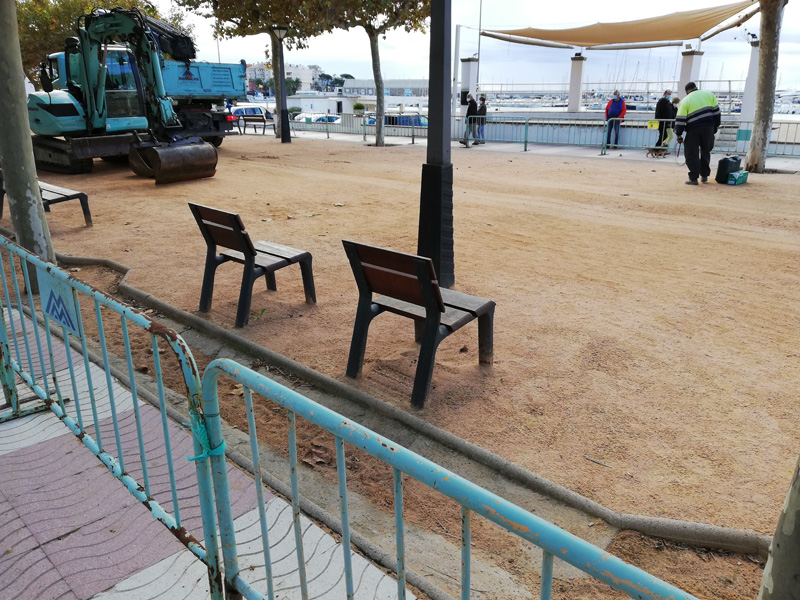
58, 303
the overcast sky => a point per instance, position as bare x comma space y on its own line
405, 55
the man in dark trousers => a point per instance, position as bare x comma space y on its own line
665, 115
615, 112
699, 117
472, 121
481, 121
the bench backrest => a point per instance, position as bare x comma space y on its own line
222, 228
398, 275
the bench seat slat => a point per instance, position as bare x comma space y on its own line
452, 318
271, 263
293, 255
472, 304
53, 193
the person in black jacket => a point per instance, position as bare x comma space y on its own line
665, 116
472, 121
481, 121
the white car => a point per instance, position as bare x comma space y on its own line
245, 108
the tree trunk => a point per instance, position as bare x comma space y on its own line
275, 50
380, 104
781, 578
16, 149
771, 13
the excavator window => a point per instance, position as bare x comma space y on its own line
73, 75
55, 77
122, 97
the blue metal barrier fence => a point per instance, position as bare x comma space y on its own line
44, 345
474, 500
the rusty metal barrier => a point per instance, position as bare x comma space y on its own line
474, 500
46, 366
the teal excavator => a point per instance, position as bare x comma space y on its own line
98, 114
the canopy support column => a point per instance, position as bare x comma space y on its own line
575, 78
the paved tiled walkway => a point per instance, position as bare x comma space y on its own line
70, 530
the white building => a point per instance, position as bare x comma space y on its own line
257, 71
392, 87
306, 74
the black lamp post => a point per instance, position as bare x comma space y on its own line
280, 33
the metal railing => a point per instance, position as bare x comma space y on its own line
641, 95
44, 342
474, 500
583, 129
732, 137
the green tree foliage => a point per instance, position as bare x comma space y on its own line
309, 18
45, 24
346, 76
292, 85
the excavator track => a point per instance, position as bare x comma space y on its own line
57, 156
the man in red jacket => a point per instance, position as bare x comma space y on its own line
615, 111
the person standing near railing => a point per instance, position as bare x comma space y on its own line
671, 129
481, 121
699, 116
615, 112
664, 116
472, 122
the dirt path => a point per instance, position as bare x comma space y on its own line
640, 322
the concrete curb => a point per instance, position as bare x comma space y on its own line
687, 532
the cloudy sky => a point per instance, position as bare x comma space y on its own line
405, 55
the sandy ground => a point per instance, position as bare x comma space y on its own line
646, 324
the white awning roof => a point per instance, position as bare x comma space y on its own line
685, 25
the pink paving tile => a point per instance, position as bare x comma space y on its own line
92, 532
25, 570
31, 576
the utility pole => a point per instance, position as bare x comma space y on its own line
16, 149
435, 237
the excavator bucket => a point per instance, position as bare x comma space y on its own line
171, 162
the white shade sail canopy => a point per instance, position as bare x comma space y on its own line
685, 25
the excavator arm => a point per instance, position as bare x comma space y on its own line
96, 31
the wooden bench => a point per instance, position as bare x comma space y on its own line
408, 287
53, 194
225, 229
255, 121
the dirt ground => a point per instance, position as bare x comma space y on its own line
645, 324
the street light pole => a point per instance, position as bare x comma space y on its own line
280, 33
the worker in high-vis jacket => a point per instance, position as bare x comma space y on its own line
699, 117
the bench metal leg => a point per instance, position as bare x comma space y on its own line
419, 328
431, 338
358, 345
308, 281
249, 277
207, 292
87, 215
272, 285
486, 338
